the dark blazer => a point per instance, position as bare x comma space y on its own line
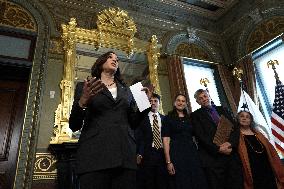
204, 130
144, 138
107, 139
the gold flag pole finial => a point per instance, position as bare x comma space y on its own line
272, 63
238, 72
204, 81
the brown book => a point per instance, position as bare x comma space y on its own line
224, 129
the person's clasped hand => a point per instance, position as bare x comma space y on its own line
92, 87
225, 148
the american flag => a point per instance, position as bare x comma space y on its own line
277, 117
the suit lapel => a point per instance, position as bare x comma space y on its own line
120, 92
107, 93
120, 89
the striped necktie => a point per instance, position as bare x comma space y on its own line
156, 133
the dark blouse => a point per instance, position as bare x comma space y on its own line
263, 177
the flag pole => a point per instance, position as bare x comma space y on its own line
250, 106
277, 120
238, 73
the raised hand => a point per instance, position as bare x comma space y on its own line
91, 88
149, 90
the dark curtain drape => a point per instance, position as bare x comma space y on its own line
249, 81
177, 78
231, 84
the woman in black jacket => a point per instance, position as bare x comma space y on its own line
105, 110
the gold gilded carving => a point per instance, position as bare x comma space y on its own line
265, 32
115, 19
191, 51
114, 23
238, 73
272, 63
153, 56
61, 126
115, 30
44, 167
204, 81
13, 15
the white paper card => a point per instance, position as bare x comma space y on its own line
140, 97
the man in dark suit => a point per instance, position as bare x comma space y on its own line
152, 173
221, 163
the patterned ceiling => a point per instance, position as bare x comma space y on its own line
212, 9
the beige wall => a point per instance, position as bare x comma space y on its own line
54, 71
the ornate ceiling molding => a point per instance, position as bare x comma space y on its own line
193, 40
220, 7
255, 35
14, 15
264, 32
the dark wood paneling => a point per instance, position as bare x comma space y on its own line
12, 103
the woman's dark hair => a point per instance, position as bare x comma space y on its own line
174, 114
252, 124
97, 68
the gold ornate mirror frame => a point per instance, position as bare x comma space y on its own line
115, 29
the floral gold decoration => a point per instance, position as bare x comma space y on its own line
13, 15
116, 30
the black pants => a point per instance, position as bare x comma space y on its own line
153, 177
115, 178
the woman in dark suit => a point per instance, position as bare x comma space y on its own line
262, 166
105, 110
181, 155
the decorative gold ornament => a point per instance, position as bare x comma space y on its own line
153, 55
192, 51
204, 81
237, 72
272, 63
45, 167
264, 32
116, 30
14, 15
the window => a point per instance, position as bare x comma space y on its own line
195, 70
265, 80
